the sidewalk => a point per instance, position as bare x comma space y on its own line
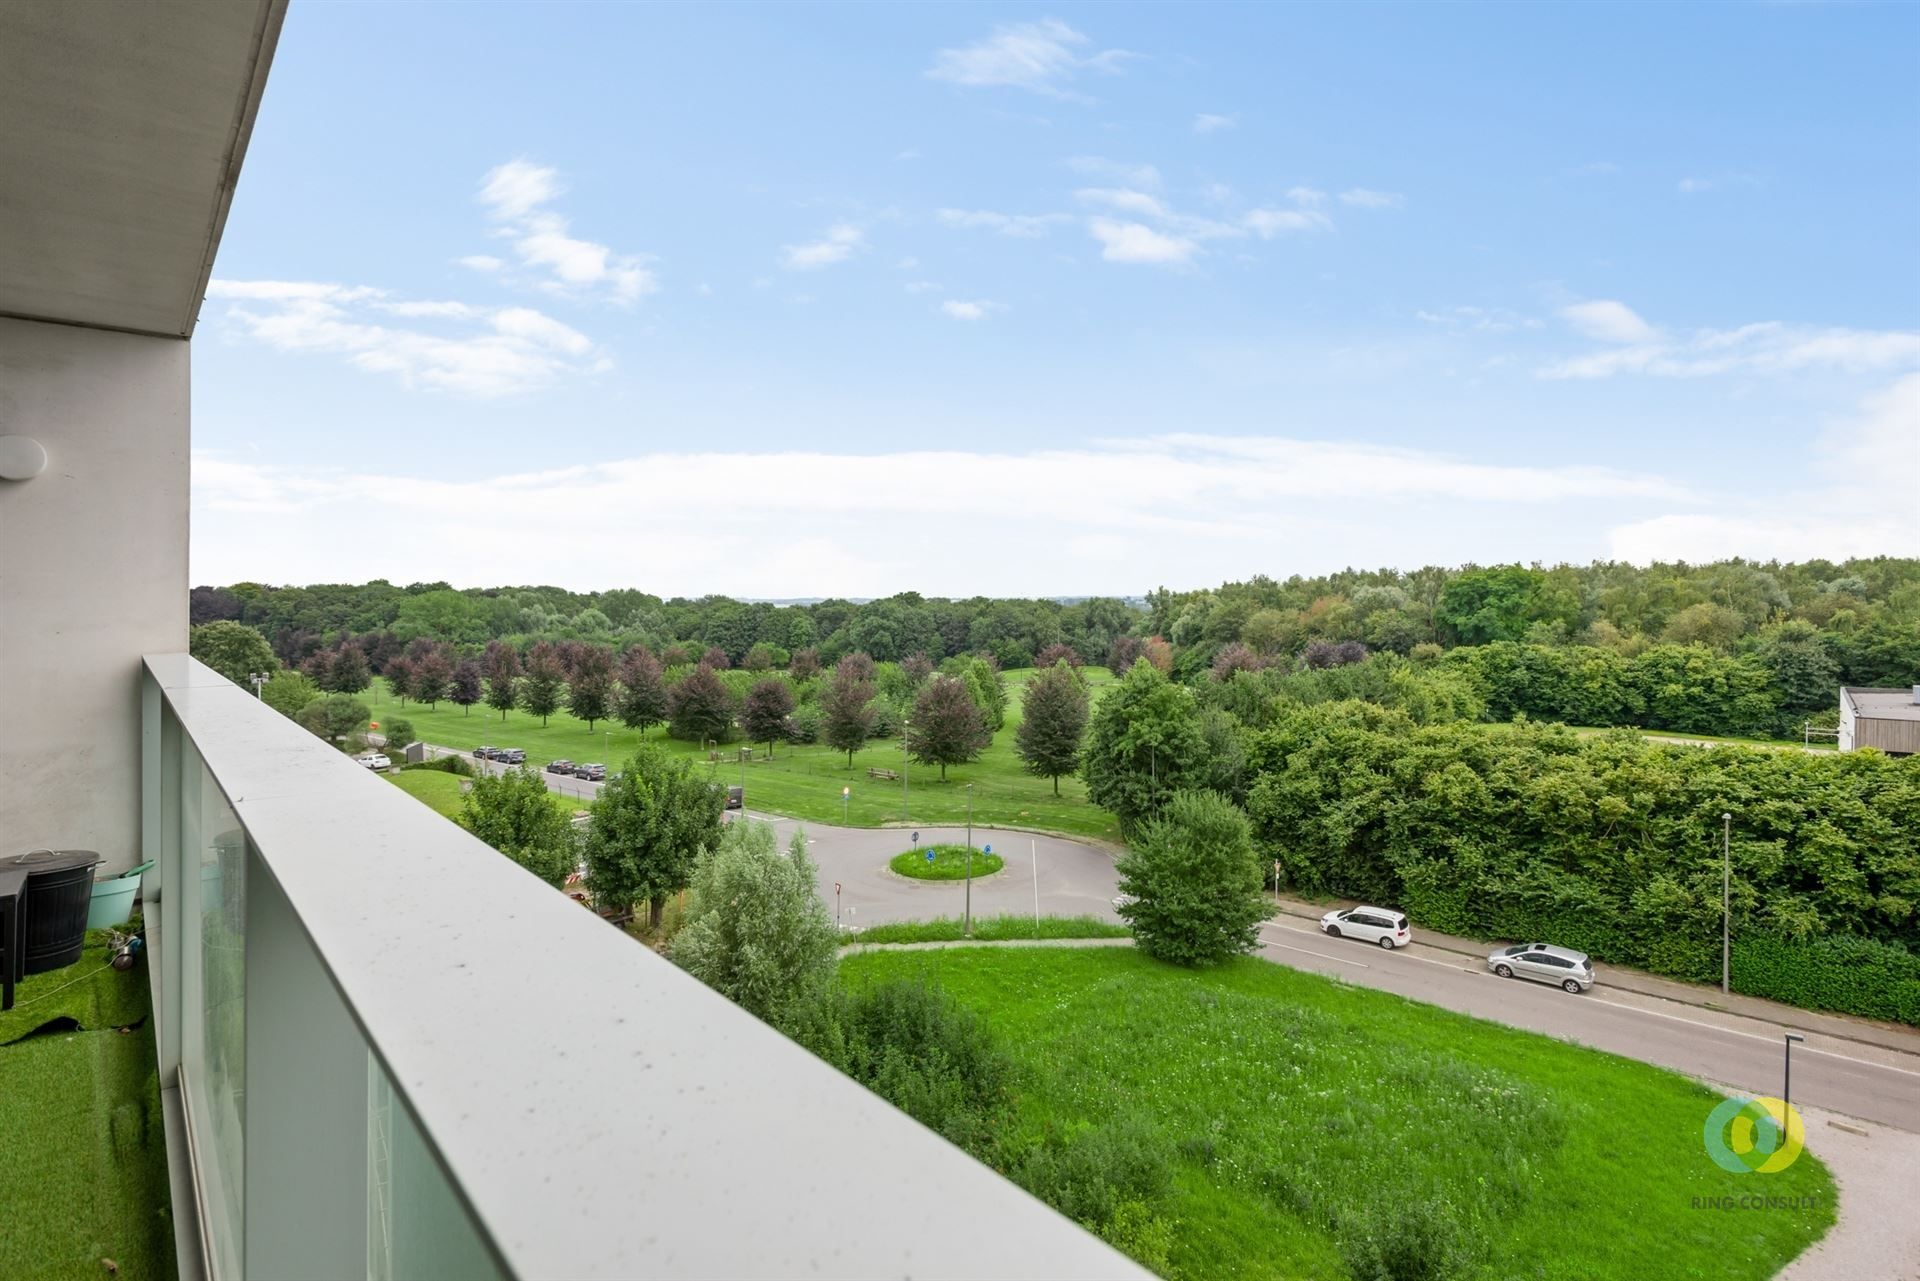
1889, 1036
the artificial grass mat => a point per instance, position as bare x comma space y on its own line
83, 1161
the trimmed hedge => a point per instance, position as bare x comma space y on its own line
1857, 975
1611, 845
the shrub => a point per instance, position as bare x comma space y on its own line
1194, 882
755, 931
1841, 972
1090, 1173
445, 765
916, 1047
804, 725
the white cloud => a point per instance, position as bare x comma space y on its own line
518, 187
837, 245
1770, 347
481, 262
516, 195
1309, 197
1691, 186
1853, 513
451, 346
1041, 57
1207, 122
1133, 242
1491, 320
921, 286
1124, 172
1023, 226
1609, 320
1361, 198
289, 290
1146, 510
1180, 234
977, 310
1268, 223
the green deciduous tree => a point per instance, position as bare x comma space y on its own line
503, 677
1193, 882
398, 732
288, 693
648, 825
347, 670
946, 728
764, 716
514, 812
1144, 743
545, 684
756, 930
1053, 723
335, 717
234, 650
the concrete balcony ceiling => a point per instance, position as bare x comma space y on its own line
122, 128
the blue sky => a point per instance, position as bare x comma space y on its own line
792, 300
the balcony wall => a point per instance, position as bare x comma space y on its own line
394, 1053
93, 574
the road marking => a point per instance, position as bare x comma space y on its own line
1752, 1036
1322, 955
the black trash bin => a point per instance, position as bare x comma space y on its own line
53, 908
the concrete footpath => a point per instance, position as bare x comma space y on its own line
1890, 1036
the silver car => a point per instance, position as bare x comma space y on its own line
1544, 963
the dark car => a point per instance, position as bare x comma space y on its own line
560, 767
592, 773
510, 756
483, 753
736, 797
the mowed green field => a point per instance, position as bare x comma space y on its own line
801, 782
440, 792
1315, 1129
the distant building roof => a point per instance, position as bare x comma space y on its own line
1884, 704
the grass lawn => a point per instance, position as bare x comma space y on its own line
1324, 1130
1663, 735
440, 791
989, 929
949, 863
83, 1167
801, 782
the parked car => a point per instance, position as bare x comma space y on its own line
560, 767
1544, 963
483, 753
510, 756
375, 761
592, 773
1369, 925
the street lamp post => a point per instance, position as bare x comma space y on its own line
1726, 902
969, 925
1786, 1086
258, 679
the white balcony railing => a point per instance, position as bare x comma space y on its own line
389, 1051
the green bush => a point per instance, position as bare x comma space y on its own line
915, 1047
1093, 1174
446, 765
1842, 972
1609, 844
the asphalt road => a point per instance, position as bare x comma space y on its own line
1864, 1081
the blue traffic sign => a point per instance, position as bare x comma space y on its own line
929, 853
989, 849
